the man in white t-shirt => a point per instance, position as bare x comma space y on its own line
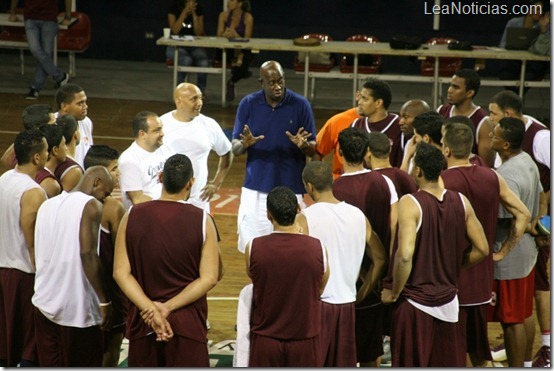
140, 164
189, 132
71, 99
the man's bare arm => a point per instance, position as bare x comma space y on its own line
29, 204
138, 197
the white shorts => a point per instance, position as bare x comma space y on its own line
252, 219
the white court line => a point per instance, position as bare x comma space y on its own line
229, 199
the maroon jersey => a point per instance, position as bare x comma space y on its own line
477, 160
527, 146
65, 166
164, 245
477, 117
439, 249
120, 303
45, 173
481, 186
370, 193
403, 182
287, 271
389, 126
44, 10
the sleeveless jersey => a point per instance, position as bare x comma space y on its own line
527, 146
389, 126
478, 116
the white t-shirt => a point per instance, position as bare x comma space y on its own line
85, 130
196, 139
140, 170
342, 230
13, 247
63, 292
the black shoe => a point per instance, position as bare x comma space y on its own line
32, 94
63, 81
230, 91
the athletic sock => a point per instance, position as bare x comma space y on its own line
527, 364
545, 335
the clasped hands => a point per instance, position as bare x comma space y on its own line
157, 319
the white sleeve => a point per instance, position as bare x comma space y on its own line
221, 144
130, 178
541, 147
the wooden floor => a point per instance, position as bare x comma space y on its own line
112, 126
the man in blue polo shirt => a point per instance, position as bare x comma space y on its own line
275, 127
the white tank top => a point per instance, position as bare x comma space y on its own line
13, 248
63, 293
341, 228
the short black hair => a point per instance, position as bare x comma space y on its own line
177, 172
430, 160
513, 131
429, 123
27, 144
53, 135
100, 154
379, 144
460, 119
282, 204
69, 125
66, 93
508, 99
353, 143
140, 122
319, 174
36, 115
379, 89
471, 78
459, 138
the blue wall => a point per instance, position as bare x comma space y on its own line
119, 26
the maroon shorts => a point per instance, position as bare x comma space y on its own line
421, 340
369, 333
63, 346
17, 329
337, 339
514, 299
542, 281
473, 329
269, 352
177, 352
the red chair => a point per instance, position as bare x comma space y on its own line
322, 62
13, 33
76, 39
367, 64
447, 66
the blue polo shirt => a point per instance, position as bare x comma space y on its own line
275, 160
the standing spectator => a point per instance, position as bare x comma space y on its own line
112, 212
486, 190
186, 17
373, 104
263, 126
71, 306
514, 276
289, 271
71, 99
20, 199
141, 164
189, 132
41, 29
375, 195
344, 231
463, 88
167, 276
432, 224
237, 22
327, 138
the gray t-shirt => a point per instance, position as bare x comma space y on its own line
522, 176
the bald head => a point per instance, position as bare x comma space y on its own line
188, 101
408, 112
96, 182
269, 66
272, 78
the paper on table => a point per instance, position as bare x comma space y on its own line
183, 38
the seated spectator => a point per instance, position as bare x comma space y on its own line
186, 17
236, 22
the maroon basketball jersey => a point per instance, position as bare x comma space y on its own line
64, 166
389, 126
45, 173
447, 111
164, 245
527, 146
439, 248
403, 182
287, 270
481, 186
